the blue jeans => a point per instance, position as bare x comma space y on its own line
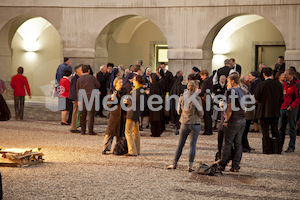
288, 116
233, 135
185, 130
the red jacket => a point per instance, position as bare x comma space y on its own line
291, 94
64, 86
17, 83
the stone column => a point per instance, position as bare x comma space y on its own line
6, 71
186, 59
81, 56
292, 58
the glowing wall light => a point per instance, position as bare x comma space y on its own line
221, 44
30, 32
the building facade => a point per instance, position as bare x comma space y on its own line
96, 32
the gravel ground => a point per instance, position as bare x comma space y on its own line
74, 167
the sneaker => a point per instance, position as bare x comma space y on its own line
289, 150
171, 167
147, 126
141, 128
103, 152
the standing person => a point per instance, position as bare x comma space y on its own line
222, 71
155, 117
132, 117
190, 114
280, 78
196, 72
235, 66
127, 83
168, 76
88, 83
117, 117
269, 94
110, 67
2, 86
18, 82
146, 87
115, 73
249, 115
72, 96
66, 65
206, 90
279, 66
65, 104
4, 110
260, 71
219, 89
234, 124
289, 109
140, 63
254, 81
102, 79
177, 89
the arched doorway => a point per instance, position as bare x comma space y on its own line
250, 39
33, 43
128, 39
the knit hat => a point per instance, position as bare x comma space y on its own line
196, 69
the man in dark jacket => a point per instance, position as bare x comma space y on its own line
289, 109
102, 78
205, 94
72, 96
132, 117
169, 78
235, 66
88, 83
222, 71
269, 95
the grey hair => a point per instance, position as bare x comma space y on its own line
102, 66
243, 78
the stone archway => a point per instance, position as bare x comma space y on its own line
239, 36
127, 39
16, 50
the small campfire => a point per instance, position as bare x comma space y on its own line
16, 157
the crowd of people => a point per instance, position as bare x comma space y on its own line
273, 93
272, 96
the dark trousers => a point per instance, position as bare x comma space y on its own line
90, 118
288, 116
207, 121
233, 136
19, 106
245, 141
266, 125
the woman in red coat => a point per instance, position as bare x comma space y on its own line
64, 103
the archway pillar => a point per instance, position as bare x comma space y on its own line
186, 59
81, 56
292, 58
6, 72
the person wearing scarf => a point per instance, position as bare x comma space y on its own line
132, 117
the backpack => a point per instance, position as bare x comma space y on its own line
121, 147
208, 169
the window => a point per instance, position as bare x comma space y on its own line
161, 54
